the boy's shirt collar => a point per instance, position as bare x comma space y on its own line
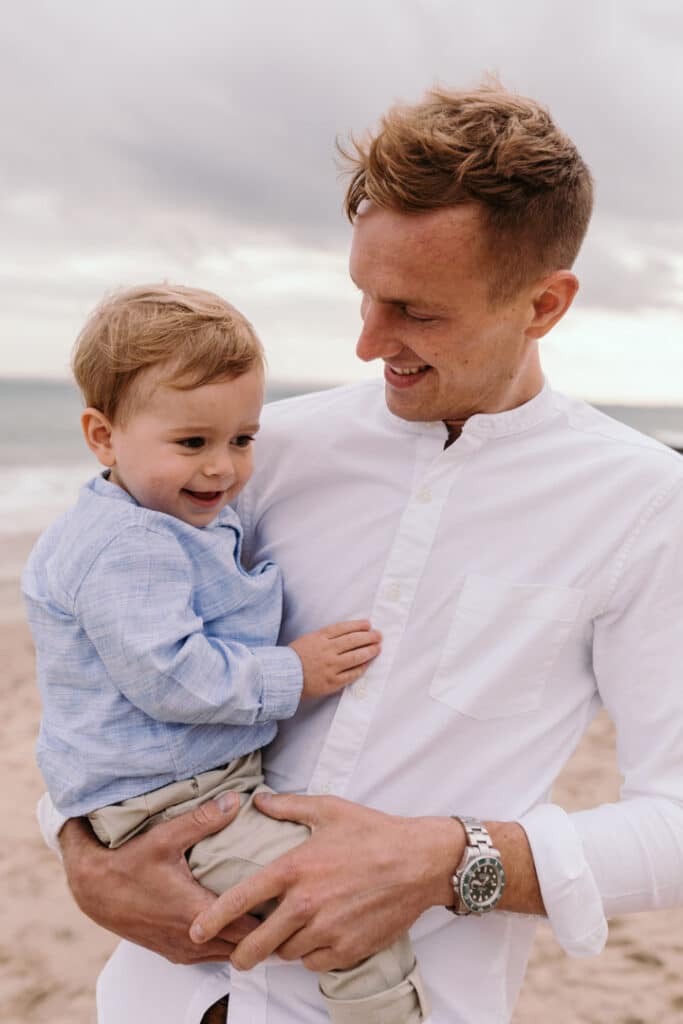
102, 486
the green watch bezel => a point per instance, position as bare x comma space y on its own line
465, 879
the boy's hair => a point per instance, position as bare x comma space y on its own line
490, 147
197, 336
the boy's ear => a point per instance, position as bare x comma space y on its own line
97, 433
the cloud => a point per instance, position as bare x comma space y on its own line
149, 137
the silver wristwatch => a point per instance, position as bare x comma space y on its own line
479, 879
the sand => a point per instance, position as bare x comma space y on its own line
50, 954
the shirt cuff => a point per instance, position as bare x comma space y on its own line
50, 822
570, 893
283, 679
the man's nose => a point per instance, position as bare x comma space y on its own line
377, 340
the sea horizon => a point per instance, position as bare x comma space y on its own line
44, 461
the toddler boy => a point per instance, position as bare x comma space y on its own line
156, 650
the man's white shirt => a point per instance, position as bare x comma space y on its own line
521, 578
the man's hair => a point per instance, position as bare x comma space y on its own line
197, 337
490, 147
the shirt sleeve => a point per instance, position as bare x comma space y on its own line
155, 650
50, 823
628, 856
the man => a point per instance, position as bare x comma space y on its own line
522, 556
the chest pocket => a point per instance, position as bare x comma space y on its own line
501, 646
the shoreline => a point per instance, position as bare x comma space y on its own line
50, 954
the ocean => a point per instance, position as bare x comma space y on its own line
44, 461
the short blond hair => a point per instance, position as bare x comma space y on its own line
196, 336
490, 147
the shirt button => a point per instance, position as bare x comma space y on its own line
393, 592
360, 690
326, 787
424, 496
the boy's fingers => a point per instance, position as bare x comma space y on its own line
350, 676
340, 628
350, 641
352, 659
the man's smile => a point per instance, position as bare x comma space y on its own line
404, 376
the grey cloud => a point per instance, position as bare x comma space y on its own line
185, 127
609, 281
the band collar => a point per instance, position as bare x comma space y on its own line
485, 425
103, 486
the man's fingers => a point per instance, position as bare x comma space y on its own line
239, 929
323, 960
307, 810
340, 628
271, 934
187, 829
217, 951
235, 903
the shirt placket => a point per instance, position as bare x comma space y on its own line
409, 553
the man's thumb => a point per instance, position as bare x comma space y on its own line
187, 829
289, 807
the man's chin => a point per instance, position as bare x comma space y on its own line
408, 407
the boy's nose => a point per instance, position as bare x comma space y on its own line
220, 465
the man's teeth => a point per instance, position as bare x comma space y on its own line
406, 371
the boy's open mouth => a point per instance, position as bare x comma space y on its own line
204, 497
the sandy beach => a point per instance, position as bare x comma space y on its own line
50, 954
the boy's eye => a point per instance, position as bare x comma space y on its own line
192, 442
243, 440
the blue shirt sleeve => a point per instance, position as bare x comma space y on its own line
135, 604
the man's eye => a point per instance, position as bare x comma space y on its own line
415, 316
192, 442
243, 440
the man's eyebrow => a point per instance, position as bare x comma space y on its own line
419, 303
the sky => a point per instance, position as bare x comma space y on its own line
196, 143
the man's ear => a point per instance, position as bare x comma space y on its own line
551, 299
97, 433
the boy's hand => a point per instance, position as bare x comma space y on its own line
336, 655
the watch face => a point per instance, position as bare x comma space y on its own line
481, 884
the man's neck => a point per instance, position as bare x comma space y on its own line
533, 386
454, 428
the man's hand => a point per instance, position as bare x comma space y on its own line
354, 887
336, 655
144, 891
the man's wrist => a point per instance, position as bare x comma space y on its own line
444, 840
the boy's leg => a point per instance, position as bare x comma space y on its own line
384, 989
116, 824
387, 988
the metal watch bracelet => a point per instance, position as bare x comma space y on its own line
479, 879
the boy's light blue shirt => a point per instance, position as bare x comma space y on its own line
156, 654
